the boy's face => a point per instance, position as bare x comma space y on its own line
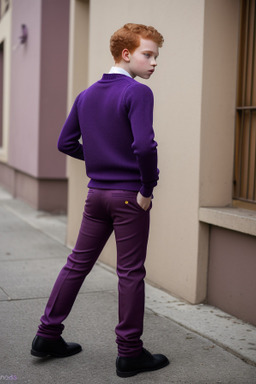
142, 61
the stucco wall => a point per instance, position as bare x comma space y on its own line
185, 97
77, 81
177, 85
221, 37
5, 38
25, 83
232, 283
38, 86
53, 85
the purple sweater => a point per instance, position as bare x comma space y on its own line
114, 116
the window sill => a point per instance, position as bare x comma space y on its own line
235, 219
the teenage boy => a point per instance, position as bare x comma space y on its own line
114, 117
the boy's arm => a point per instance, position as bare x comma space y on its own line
141, 102
68, 142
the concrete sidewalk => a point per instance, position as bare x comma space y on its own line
203, 344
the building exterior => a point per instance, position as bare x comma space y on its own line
34, 100
202, 245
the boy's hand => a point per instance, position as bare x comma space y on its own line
144, 202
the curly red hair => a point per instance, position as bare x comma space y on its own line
129, 37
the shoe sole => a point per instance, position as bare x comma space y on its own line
38, 354
133, 373
44, 354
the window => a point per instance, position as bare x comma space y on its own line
245, 137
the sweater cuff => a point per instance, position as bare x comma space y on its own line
146, 192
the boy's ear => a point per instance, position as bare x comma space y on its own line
126, 55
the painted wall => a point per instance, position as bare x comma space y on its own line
53, 85
77, 81
218, 102
38, 86
232, 265
5, 38
194, 88
25, 84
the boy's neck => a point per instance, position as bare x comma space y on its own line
122, 64
120, 70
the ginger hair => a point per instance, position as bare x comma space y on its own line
129, 37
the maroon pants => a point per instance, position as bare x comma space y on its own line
105, 211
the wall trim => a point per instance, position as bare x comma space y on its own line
236, 219
41, 193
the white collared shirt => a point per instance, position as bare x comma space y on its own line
119, 70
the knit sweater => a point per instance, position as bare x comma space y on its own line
114, 116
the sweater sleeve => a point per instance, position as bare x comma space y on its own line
140, 102
68, 142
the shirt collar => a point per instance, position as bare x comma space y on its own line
119, 70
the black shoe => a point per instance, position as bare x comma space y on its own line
131, 366
42, 347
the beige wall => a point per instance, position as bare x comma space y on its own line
5, 36
77, 81
221, 27
192, 85
218, 102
